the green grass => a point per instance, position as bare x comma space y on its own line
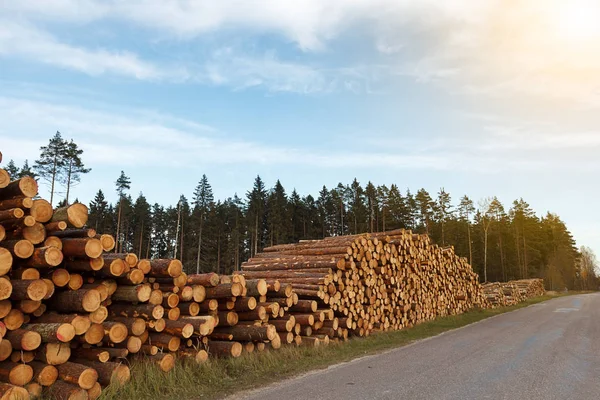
220, 377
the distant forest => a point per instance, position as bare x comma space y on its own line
503, 242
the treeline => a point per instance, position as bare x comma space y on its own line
502, 242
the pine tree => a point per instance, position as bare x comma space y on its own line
122, 184
203, 201
73, 168
52, 161
12, 169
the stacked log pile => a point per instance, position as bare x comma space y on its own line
370, 282
72, 311
502, 294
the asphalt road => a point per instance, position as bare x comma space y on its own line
546, 351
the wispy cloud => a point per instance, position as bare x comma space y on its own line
24, 40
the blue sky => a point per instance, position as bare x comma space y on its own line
476, 97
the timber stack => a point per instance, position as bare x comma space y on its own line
72, 311
502, 294
369, 282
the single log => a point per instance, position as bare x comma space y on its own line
133, 294
28, 290
84, 265
116, 331
36, 233
29, 306
60, 277
11, 213
108, 242
22, 339
198, 293
76, 282
256, 287
2, 233
93, 335
207, 280
53, 227
165, 341
165, 361
156, 297
82, 247
145, 266
145, 311
19, 248
24, 187
53, 353
76, 215
99, 316
80, 323
83, 300
41, 210
15, 373
189, 308
44, 374
248, 333
165, 268
18, 223
77, 233
198, 356
18, 202
53, 333
45, 257
67, 391
179, 328
186, 293
224, 290
208, 305
78, 374
218, 348
14, 319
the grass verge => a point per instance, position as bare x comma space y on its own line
221, 377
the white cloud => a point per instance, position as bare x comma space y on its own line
486, 48
25, 41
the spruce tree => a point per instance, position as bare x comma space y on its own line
26, 170
255, 214
98, 211
203, 202
12, 169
